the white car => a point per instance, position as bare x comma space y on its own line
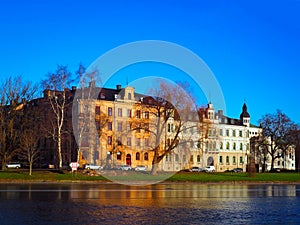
13, 165
140, 168
209, 169
196, 169
125, 167
93, 167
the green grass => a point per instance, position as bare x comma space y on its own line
47, 176
43, 176
236, 177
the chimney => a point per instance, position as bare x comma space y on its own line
119, 87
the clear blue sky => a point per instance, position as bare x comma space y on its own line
252, 47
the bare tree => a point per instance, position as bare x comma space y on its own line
57, 86
277, 135
31, 134
13, 96
170, 111
89, 119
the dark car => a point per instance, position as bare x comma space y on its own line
237, 170
275, 170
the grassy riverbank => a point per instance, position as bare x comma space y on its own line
55, 176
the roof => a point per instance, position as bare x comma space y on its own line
245, 113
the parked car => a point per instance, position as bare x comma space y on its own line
140, 168
13, 165
93, 167
274, 170
237, 170
124, 167
209, 169
196, 169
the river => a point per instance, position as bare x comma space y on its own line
166, 203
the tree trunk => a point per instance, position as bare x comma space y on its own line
272, 162
30, 168
59, 149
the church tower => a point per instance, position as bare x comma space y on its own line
245, 116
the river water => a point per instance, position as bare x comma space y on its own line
167, 203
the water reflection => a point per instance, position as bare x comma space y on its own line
156, 204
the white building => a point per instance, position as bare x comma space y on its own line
215, 139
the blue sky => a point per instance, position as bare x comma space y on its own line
252, 47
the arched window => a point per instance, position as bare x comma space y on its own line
137, 156
146, 156
221, 145
227, 145
198, 158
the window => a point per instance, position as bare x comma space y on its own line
234, 146
129, 113
192, 159
147, 127
241, 133
278, 163
192, 144
109, 111
227, 159
227, 145
119, 112
129, 96
221, 145
146, 115
233, 133
241, 146
241, 159
138, 128
138, 113
176, 157
109, 126
97, 110
221, 132
221, 159
147, 142
109, 140
198, 158
119, 155
119, 126
119, 141
128, 127
227, 133
146, 156
138, 142
233, 160
137, 156
128, 141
